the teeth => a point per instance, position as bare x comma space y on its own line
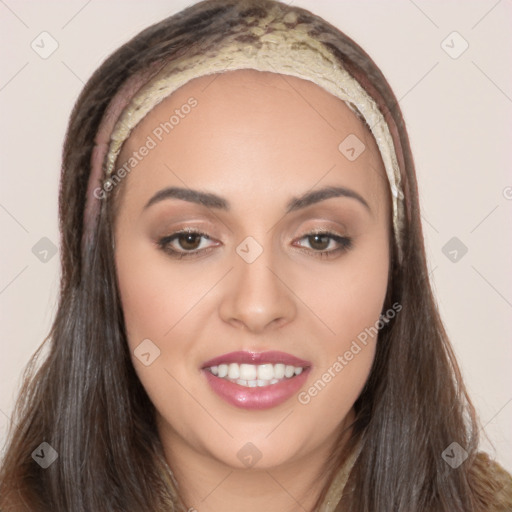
289, 371
251, 375
265, 372
247, 371
223, 370
279, 371
234, 371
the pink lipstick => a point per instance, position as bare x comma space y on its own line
252, 380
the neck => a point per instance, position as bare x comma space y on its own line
207, 484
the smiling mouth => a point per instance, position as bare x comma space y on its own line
256, 380
255, 375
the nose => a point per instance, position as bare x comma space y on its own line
258, 295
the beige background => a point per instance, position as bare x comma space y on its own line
458, 112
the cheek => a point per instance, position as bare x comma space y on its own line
161, 307
349, 303
155, 297
347, 297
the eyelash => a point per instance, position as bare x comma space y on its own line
164, 244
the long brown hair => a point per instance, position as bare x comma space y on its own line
85, 400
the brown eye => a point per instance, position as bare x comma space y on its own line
189, 241
319, 243
184, 244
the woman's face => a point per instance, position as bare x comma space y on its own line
242, 161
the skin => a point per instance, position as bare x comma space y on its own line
256, 139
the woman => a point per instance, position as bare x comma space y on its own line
245, 317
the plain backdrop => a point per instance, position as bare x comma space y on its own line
449, 65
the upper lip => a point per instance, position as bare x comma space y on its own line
273, 357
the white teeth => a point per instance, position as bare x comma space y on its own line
279, 371
265, 372
234, 371
247, 371
289, 371
251, 375
223, 370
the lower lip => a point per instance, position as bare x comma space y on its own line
263, 397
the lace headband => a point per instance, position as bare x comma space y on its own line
276, 45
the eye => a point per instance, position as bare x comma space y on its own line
187, 244
319, 242
184, 244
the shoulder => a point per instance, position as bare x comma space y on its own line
491, 484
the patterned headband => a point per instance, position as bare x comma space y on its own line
278, 44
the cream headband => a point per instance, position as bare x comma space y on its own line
284, 50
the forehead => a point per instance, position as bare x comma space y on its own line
261, 129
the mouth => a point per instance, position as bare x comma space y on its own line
256, 380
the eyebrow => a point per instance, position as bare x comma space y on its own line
211, 200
